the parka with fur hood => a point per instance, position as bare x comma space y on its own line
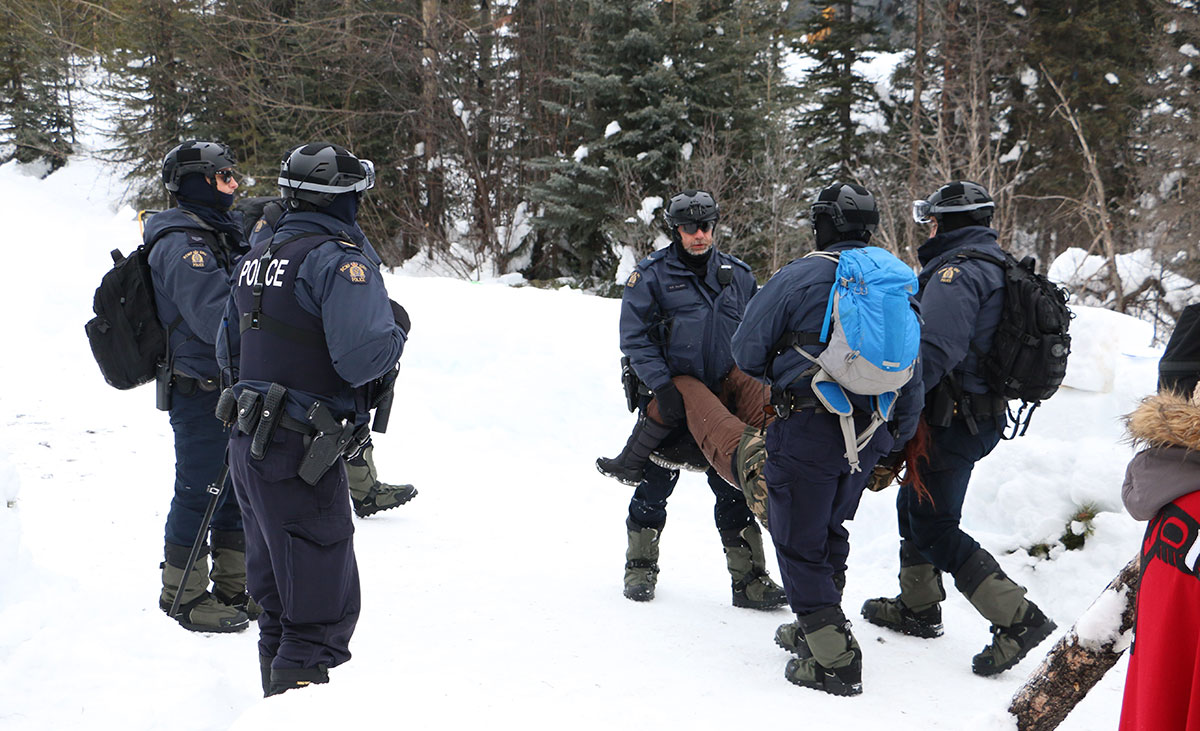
1162, 485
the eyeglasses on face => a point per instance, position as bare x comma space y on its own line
225, 176
691, 228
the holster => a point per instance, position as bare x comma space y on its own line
629, 382
333, 439
226, 411
162, 386
381, 399
271, 412
939, 409
781, 402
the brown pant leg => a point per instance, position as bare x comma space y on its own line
715, 430
749, 399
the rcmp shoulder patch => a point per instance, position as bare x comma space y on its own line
946, 274
197, 258
354, 271
633, 278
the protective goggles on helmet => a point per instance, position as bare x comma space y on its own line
692, 227
365, 183
922, 211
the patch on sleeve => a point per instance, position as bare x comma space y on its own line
198, 258
633, 278
354, 272
258, 226
947, 274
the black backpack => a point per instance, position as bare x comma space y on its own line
1179, 368
259, 207
1028, 359
127, 339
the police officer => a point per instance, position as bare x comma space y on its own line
316, 330
195, 246
811, 487
367, 493
962, 299
678, 311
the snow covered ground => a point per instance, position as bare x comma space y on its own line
495, 596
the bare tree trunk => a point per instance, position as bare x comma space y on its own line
914, 149
1074, 666
1099, 198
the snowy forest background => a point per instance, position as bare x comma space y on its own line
538, 136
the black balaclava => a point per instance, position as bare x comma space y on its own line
696, 263
200, 197
824, 233
948, 222
344, 207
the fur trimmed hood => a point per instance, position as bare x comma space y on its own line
1166, 420
1168, 426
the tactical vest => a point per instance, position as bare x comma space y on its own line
281, 342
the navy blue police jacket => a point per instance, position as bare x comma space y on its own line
795, 300
341, 286
962, 301
675, 324
191, 284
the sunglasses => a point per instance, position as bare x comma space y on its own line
692, 228
225, 175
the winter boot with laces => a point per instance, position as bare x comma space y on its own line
752, 586
368, 494
917, 610
199, 610
1018, 625
828, 658
229, 572
641, 562
627, 466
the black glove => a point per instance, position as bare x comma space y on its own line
400, 316
670, 405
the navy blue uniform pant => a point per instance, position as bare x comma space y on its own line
300, 564
200, 441
934, 528
648, 508
810, 495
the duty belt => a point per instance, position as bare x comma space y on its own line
786, 402
327, 438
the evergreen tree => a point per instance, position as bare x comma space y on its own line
834, 93
155, 78
36, 78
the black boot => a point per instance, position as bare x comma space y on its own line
264, 668
284, 679
627, 466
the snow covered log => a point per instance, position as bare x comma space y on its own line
1077, 662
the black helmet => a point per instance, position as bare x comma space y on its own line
961, 196
319, 171
195, 156
691, 206
851, 207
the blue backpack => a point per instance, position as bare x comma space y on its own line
873, 335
